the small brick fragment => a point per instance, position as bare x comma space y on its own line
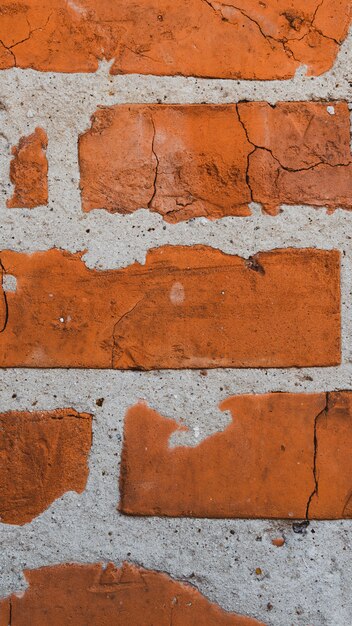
278, 542
192, 307
252, 40
29, 171
130, 595
260, 466
187, 161
42, 455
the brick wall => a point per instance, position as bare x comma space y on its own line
175, 313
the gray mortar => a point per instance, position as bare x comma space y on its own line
308, 581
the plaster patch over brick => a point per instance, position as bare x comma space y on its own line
279, 309
43, 454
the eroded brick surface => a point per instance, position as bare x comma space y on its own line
260, 466
29, 171
189, 161
130, 595
333, 462
302, 154
203, 38
283, 456
181, 161
187, 307
42, 455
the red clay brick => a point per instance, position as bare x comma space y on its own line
186, 161
42, 455
302, 154
252, 40
181, 161
260, 466
332, 497
187, 307
283, 456
129, 596
29, 171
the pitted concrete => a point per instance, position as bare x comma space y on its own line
305, 582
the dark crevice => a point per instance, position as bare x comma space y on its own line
283, 40
248, 181
156, 166
314, 493
253, 264
284, 167
3, 271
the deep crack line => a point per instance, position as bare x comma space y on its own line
324, 411
6, 304
156, 165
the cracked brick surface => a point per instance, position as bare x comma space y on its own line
29, 171
43, 454
246, 39
181, 161
187, 161
186, 307
104, 596
283, 456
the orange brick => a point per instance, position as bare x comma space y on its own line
302, 154
130, 595
187, 161
260, 466
333, 471
283, 456
181, 161
43, 455
252, 40
192, 307
29, 171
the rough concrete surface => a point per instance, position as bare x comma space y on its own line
306, 582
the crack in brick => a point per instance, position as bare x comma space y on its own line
314, 493
156, 165
31, 31
284, 40
6, 305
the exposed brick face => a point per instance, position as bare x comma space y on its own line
249, 40
43, 454
89, 594
211, 160
282, 456
175, 311
181, 161
29, 171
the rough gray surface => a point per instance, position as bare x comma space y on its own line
308, 581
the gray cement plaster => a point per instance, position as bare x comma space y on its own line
308, 581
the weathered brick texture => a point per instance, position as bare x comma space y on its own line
283, 456
204, 38
213, 160
43, 454
29, 171
186, 307
130, 595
